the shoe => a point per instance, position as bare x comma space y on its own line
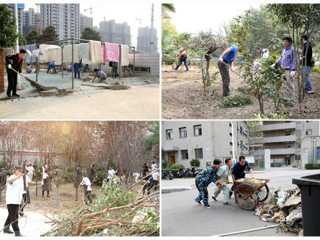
198, 201
8, 95
214, 198
175, 69
17, 234
226, 203
7, 230
48, 196
21, 214
310, 91
15, 95
207, 206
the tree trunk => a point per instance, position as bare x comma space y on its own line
207, 72
36, 185
76, 192
0, 194
57, 196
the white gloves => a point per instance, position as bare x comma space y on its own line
9, 65
292, 73
273, 65
300, 58
232, 69
220, 59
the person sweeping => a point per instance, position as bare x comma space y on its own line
182, 54
14, 62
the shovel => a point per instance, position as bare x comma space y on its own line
235, 72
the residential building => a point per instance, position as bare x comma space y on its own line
64, 17
183, 141
284, 139
85, 22
113, 32
20, 8
29, 21
145, 43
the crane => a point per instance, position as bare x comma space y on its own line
90, 10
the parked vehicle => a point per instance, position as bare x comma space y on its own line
180, 173
167, 175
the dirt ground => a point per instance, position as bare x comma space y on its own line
67, 196
183, 98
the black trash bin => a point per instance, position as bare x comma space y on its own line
310, 200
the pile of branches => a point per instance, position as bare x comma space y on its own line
138, 218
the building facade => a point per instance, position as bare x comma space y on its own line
113, 32
29, 21
284, 139
183, 141
85, 22
20, 8
64, 17
145, 43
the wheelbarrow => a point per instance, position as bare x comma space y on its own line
250, 191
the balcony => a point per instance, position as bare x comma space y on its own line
277, 139
277, 151
278, 126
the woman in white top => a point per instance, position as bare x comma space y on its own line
13, 200
87, 188
111, 173
30, 171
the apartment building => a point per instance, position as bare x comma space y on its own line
85, 22
20, 20
113, 32
29, 21
284, 139
183, 141
64, 17
145, 43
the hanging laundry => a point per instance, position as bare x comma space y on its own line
84, 49
124, 55
95, 52
56, 56
35, 53
43, 54
67, 53
110, 52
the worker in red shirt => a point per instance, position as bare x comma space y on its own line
14, 61
182, 54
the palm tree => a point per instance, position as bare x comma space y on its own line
168, 7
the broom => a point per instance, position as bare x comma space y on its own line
35, 83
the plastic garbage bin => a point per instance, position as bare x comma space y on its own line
310, 200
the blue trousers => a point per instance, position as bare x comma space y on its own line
183, 59
51, 66
75, 73
202, 187
308, 85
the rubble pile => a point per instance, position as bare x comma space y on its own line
284, 208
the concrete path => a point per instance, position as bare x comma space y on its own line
33, 225
138, 102
182, 216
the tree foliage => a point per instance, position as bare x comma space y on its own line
8, 34
48, 34
90, 34
32, 37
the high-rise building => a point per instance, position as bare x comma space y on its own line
85, 22
20, 8
64, 17
145, 43
284, 139
183, 141
29, 21
113, 32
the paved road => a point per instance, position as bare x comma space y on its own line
181, 216
33, 225
138, 102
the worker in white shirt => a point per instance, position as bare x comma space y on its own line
155, 177
153, 166
111, 173
87, 188
136, 176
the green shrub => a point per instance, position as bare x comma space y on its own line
195, 161
312, 166
101, 174
176, 166
316, 69
236, 101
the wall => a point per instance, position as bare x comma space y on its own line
307, 150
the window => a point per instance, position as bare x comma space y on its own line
298, 121
288, 133
298, 132
240, 130
308, 121
309, 132
230, 143
298, 145
230, 152
230, 124
297, 157
199, 153
183, 132
241, 144
197, 130
318, 152
184, 154
230, 134
169, 134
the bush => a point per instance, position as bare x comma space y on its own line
176, 166
101, 174
236, 101
312, 166
195, 161
316, 69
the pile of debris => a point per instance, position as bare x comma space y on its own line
284, 208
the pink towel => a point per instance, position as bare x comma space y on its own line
110, 52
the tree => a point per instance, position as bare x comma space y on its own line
32, 37
8, 28
48, 34
22, 40
168, 7
90, 34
